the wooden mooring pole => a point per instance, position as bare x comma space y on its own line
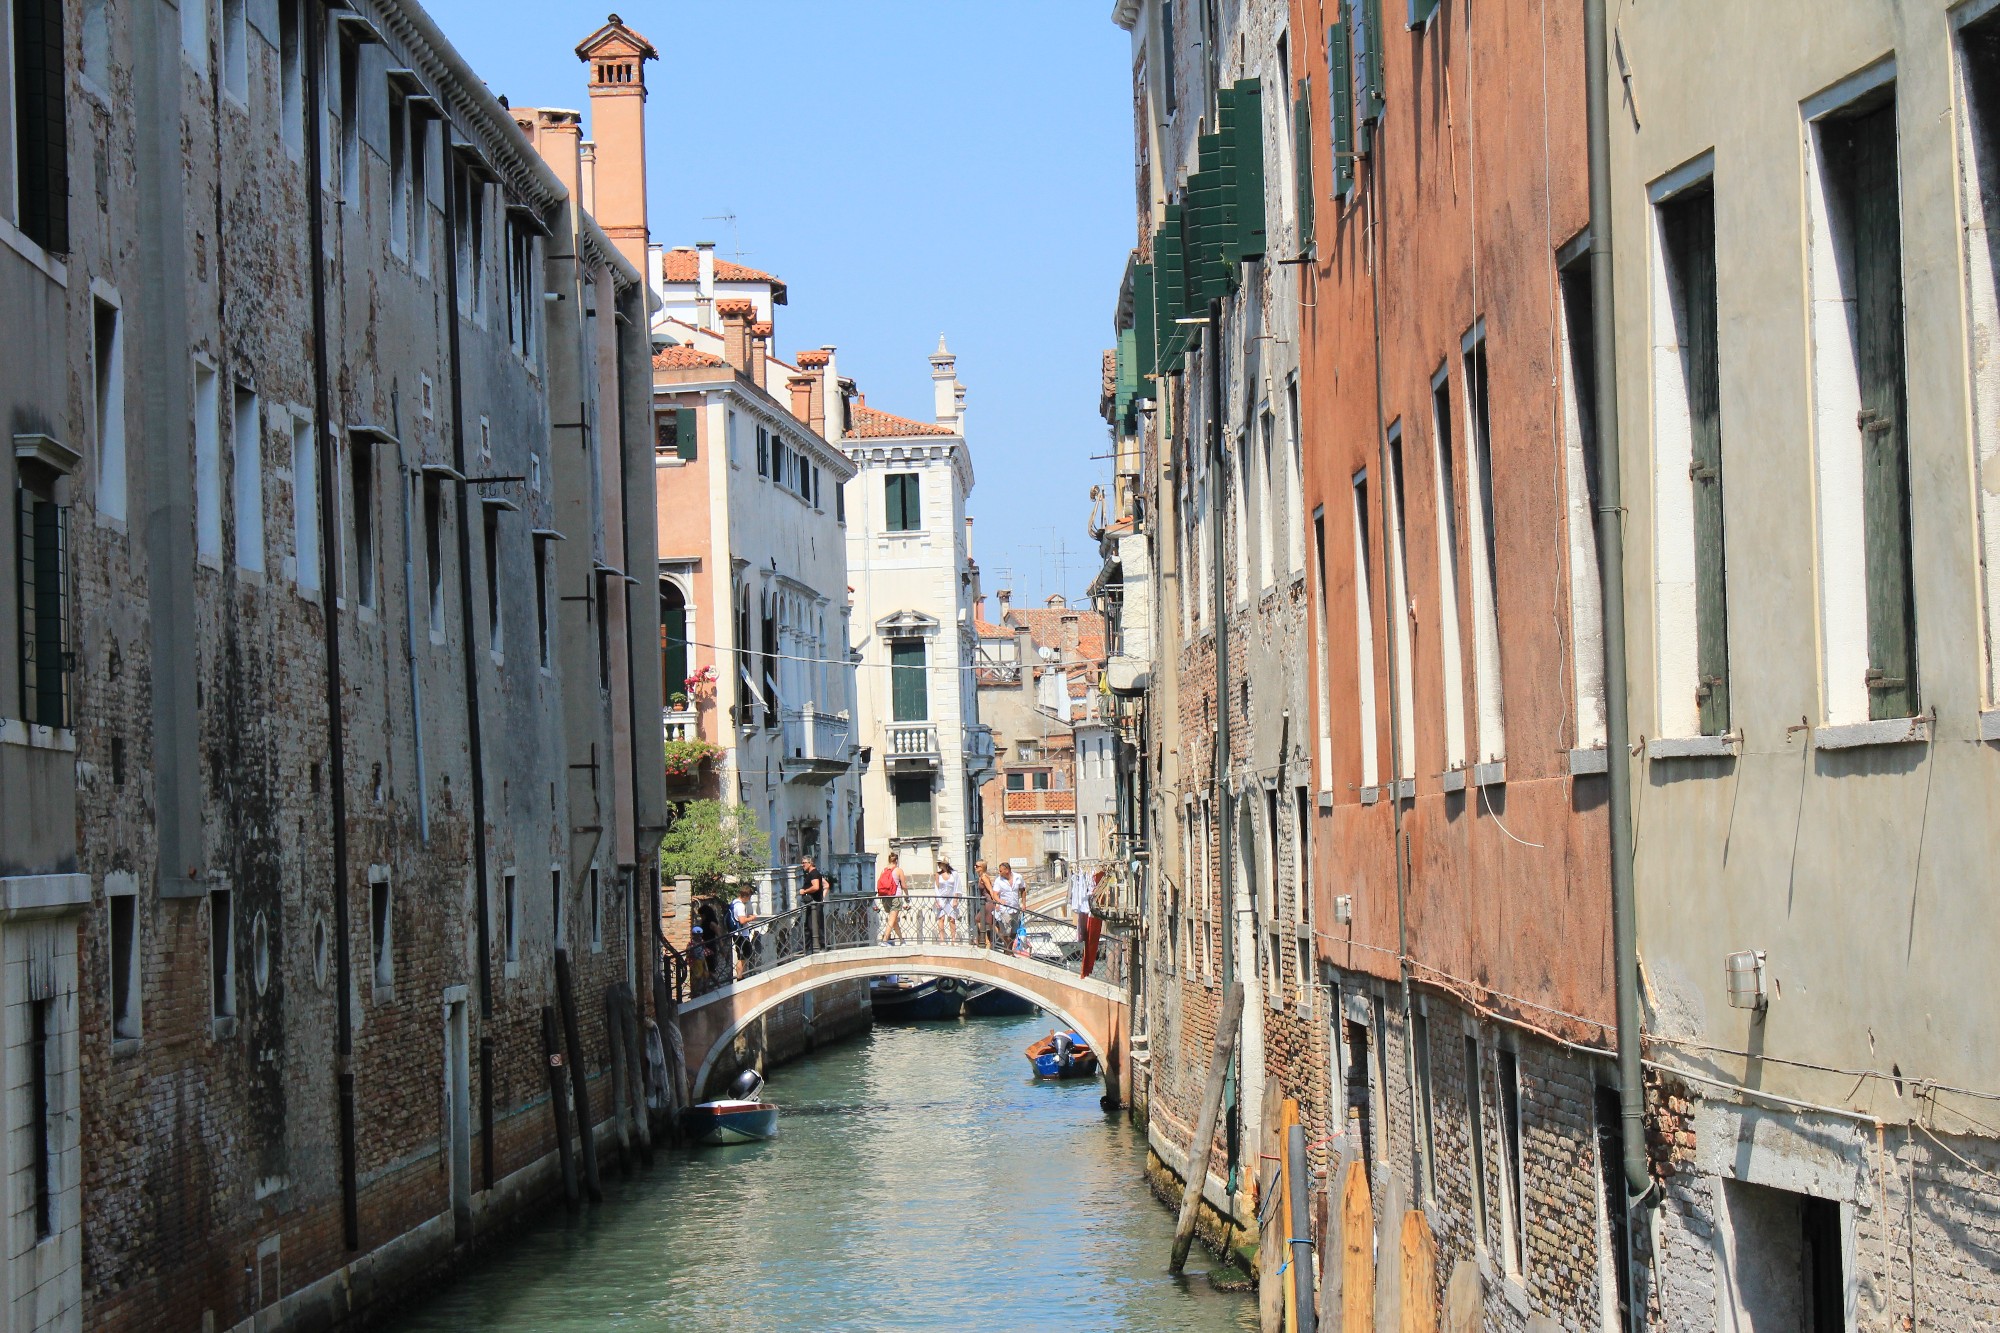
1203, 1146
552, 1056
578, 1076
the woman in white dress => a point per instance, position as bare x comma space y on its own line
949, 890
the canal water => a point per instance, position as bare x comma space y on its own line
920, 1180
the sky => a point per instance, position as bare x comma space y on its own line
908, 169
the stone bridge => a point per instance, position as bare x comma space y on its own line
1096, 1006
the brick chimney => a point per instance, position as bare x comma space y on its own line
760, 351
616, 190
736, 313
801, 387
812, 366
1006, 596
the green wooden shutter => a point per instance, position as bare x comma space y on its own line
1146, 362
1167, 54
684, 434
1421, 11
1885, 464
1302, 162
1688, 234
913, 808
1250, 168
910, 700
1369, 98
1223, 164
1340, 103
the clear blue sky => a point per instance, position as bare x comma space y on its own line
908, 169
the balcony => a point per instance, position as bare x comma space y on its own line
979, 764
815, 744
680, 724
1039, 804
912, 747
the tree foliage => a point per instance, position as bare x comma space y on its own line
714, 845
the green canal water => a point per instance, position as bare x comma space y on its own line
920, 1180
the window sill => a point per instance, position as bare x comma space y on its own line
123, 1047
1370, 795
1493, 774
1452, 779
35, 736
54, 269
1989, 724
1585, 763
1695, 747
1887, 731
1406, 789
1325, 801
511, 970
222, 1029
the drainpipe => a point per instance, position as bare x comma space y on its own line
472, 738
411, 478
1384, 481
329, 562
1611, 561
640, 881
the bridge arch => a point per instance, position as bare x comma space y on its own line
1097, 1009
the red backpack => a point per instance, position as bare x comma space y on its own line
885, 883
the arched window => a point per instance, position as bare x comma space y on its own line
673, 641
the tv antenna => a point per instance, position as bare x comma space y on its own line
735, 240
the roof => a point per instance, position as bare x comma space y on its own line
986, 629
682, 264
683, 357
1044, 626
871, 423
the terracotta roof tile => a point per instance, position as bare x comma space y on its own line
813, 358
1044, 626
874, 424
682, 264
735, 305
683, 357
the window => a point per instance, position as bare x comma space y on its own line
1450, 644
41, 1125
1360, 1101
840, 503
496, 628
1420, 1050
1979, 155
1295, 478
1687, 442
41, 534
420, 191
246, 450
523, 296
41, 134
361, 463
1239, 485
913, 807
124, 964
399, 173
596, 912
305, 505
1167, 90
1510, 1145
207, 467
814, 488
381, 923
235, 49
350, 120
1266, 480
1041, 779
1485, 553
1017, 781
673, 640
221, 955
194, 33
903, 494
675, 437
469, 215
1320, 651
556, 901
1586, 584
1475, 1109
108, 369
1340, 100
510, 920
764, 452
96, 42
291, 77
1364, 633
542, 601
909, 688
1399, 612
434, 552
1614, 1261
1863, 451
1290, 141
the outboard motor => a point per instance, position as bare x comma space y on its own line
1063, 1057
747, 1086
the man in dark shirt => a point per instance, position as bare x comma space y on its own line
813, 888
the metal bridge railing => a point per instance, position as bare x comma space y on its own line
861, 922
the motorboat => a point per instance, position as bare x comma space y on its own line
915, 999
992, 1002
1063, 1055
742, 1117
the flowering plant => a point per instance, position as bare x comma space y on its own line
700, 676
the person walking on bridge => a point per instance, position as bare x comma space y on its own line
889, 893
948, 895
982, 882
1006, 897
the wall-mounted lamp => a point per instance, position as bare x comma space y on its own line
1343, 909
1745, 971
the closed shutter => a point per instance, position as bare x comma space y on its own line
910, 700
1250, 169
1368, 91
41, 135
1340, 98
684, 434
1421, 11
913, 808
1885, 464
1146, 358
1302, 162
1688, 233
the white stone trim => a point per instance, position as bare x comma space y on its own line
29, 896
1695, 747
1885, 731
1584, 763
